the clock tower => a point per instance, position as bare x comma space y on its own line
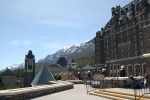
29, 70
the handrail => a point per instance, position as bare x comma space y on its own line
141, 90
94, 84
113, 80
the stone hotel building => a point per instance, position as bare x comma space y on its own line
125, 40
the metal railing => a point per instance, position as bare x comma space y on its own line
113, 80
94, 84
140, 90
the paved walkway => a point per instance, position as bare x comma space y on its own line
78, 93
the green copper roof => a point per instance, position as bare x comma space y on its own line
43, 77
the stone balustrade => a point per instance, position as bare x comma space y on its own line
35, 91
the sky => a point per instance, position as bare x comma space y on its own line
46, 26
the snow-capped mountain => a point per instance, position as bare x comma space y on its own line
14, 67
82, 50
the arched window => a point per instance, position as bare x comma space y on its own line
130, 70
143, 68
111, 70
137, 69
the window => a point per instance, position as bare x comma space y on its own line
131, 11
135, 38
128, 47
113, 30
131, 16
141, 43
136, 53
118, 66
112, 51
114, 37
148, 38
115, 56
114, 43
127, 33
111, 44
120, 35
107, 53
137, 70
143, 10
149, 15
134, 30
140, 26
139, 18
126, 25
144, 69
122, 55
143, 24
141, 35
128, 54
107, 40
142, 51
122, 49
115, 50
30, 65
120, 28
111, 67
143, 17
139, 12
128, 39
130, 70
107, 58
118, 22
135, 45
133, 23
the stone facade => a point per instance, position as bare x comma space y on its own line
125, 39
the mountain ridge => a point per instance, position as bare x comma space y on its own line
83, 50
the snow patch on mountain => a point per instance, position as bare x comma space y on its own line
14, 67
76, 51
83, 50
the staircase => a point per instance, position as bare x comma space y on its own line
117, 95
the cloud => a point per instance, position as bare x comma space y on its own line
27, 42
14, 42
60, 22
18, 42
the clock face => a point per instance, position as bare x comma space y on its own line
30, 65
